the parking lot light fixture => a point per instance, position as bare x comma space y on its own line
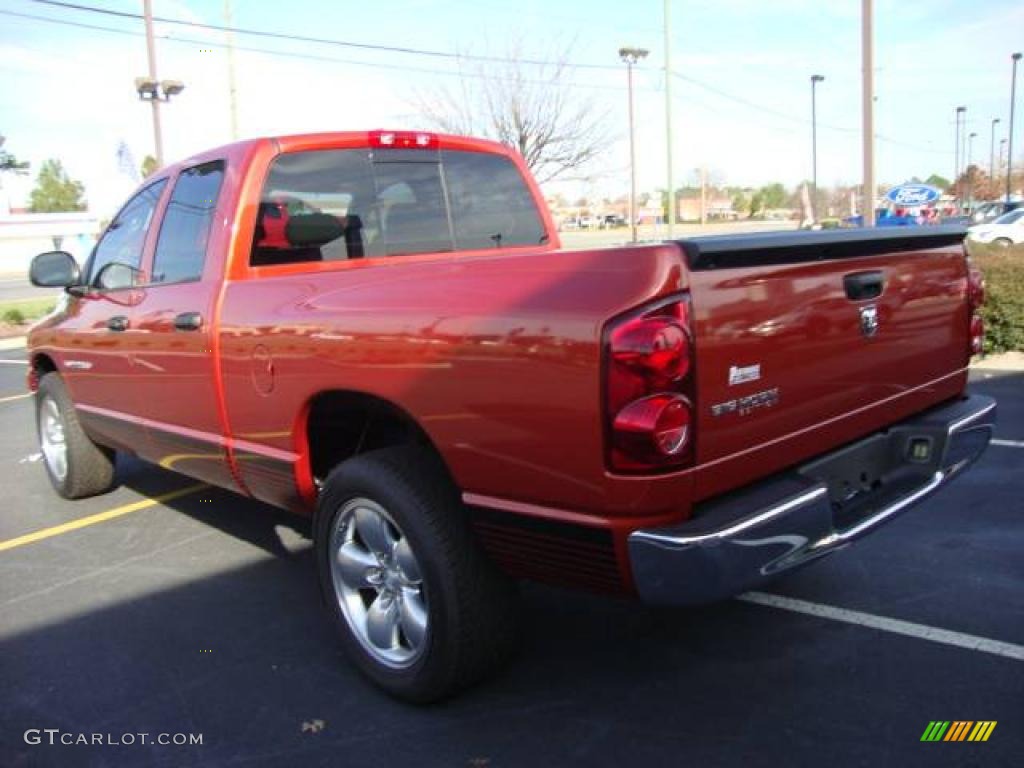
1009, 154
153, 90
992, 156
631, 56
968, 176
815, 79
960, 117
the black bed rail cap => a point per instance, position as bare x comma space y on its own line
771, 248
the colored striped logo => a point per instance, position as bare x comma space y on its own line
958, 730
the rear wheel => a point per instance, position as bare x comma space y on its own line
1002, 242
420, 609
77, 467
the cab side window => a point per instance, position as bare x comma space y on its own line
125, 238
181, 247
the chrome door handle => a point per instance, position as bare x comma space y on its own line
117, 323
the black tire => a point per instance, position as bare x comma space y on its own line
89, 466
472, 608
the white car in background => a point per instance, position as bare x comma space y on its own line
1005, 231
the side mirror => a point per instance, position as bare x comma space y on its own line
54, 269
116, 276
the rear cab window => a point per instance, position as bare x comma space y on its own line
341, 204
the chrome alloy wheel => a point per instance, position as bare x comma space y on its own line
52, 440
378, 583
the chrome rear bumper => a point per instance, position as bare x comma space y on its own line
739, 541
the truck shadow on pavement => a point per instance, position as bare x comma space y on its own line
225, 636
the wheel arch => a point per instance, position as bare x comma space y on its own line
40, 364
338, 424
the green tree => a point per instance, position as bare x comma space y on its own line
940, 182
740, 202
9, 162
757, 202
773, 196
149, 166
55, 191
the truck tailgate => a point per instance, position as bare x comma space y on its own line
794, 331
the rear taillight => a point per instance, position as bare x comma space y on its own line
648, 388
975, 300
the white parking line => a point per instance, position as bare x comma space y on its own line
896, 626
1009, 443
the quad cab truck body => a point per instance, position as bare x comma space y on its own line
380, 330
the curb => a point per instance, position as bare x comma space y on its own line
1007, 362
17, 342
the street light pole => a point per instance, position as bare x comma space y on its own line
815, 79
868, 63
992, 155
956, 169
158, 138
631, 56
968, 177
1013, 103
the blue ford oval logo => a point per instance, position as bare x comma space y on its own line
912, 194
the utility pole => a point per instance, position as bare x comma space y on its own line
232, 89
668, 120
815, 79
992, 155
1013, 103
868, 63
158, 137
631, 56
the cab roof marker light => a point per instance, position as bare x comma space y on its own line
403, 140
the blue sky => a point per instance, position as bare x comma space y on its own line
743, 111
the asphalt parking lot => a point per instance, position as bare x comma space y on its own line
200, 615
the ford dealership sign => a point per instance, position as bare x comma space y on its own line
912, 194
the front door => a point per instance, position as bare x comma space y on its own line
94, 342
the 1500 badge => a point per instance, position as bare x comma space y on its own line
748, 404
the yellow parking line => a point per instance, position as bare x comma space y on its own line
15, 397
99, 517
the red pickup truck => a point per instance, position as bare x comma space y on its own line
380, 330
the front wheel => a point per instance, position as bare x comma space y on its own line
77, 467
1002, 242
420, 609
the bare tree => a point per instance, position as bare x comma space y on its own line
532, 106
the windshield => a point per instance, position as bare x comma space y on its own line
1011, 217
332, 205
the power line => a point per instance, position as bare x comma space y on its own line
794, 119
420, 52
309, 56
323, 40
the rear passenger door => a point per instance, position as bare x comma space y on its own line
174, 370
